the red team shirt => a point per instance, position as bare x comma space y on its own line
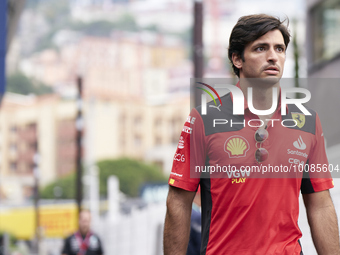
240, 214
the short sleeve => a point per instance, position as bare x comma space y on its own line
313, 180
189, 153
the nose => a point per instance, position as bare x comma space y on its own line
272, 55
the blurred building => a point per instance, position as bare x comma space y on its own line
127, 64
28, 124
119, 127
323, 34
136, 100
323, 57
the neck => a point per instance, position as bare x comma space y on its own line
83, 233
262, 94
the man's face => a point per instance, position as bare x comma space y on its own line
84, 222
263, 58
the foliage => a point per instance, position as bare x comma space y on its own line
103, 27
132, 174
152, 28
20, 84
52, 9
96, 28
126, 22
46, 42
67, 185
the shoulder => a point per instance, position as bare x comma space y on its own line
217, 108
304, 122
94, 239
94, 234
95, 243
68, 238
215, 116
68, 242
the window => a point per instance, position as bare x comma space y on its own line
326, 33
13, 148
33, 146
13, 129
158, 122
137, 141
138, 122
13, 166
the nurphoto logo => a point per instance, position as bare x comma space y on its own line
238, 104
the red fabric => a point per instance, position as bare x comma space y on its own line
250, 216
83, 244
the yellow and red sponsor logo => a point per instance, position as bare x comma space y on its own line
238, 180
236, 146
299, 118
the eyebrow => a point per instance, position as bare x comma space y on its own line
266, 44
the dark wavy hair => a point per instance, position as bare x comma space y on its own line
251, 27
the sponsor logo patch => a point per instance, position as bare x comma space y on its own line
296, 161
236, 146
216, 107
299, 144
191, 120
179, 157
299, 118
187, 130
298, 153
181, 143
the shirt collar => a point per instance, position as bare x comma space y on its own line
246, 103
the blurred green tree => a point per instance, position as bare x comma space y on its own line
66, 185
21, 84
132, 174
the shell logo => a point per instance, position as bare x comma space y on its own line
236, 146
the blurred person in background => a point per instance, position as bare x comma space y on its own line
2, 245
194, 245
252, 215
84, 241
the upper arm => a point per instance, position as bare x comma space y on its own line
179, 198
317, 200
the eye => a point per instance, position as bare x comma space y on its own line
259, 49
280, 49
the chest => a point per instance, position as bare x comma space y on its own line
93, 245
236, 150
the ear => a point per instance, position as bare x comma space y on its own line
237, 60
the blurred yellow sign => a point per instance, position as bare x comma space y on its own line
55, 221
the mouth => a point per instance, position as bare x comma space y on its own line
273, 70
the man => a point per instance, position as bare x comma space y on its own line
252, 216
83, 242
